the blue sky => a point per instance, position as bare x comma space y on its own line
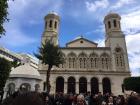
78, 17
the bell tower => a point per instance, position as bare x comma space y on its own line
51, 28
115, 39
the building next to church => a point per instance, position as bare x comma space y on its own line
88, 67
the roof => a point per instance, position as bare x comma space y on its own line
81, 38
25, 71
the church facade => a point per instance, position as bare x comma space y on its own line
88, 67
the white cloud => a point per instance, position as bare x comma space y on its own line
121, 3
133, 46
99, 4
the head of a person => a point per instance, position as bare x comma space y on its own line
133, 100
80, 100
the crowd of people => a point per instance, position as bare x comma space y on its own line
34, 98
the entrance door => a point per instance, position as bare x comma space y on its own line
82, 85
60, 84
106, 85
71, 85
94, 86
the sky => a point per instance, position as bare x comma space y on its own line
78, 17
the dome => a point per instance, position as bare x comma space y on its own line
25, 71
52, 14
112, 15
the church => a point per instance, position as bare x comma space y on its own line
87, 67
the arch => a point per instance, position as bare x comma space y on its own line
109, 24
115, 23
71, 85
82, 85
11, 88
50, 24
105, 61
37, 86
55, 24
64, 63
93, 60
72, 60
82, 60
94, 85
60, 84
106, 85
119, 58
25, 87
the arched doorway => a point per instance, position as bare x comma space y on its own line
106, 85
25, 87
82, 85
71, 85
94, 85
60, 84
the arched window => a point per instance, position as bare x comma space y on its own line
46, 24
55, 24
50, 25
119, 58
71, 85
64, 63
37, 86
11, 89
94, 85
106, 85
25, 87
72, 60
93, 59
109, 24
105, 61
82, 85
115, 23
82, 60
60, 84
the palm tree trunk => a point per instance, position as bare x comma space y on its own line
48, 86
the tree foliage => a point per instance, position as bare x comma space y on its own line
5, 68
132, 83
3, 15
15, 63
50, 55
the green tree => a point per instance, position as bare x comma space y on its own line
5, 68
132, 83
50, 55
3, 15
15, 63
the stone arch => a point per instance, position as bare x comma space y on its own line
119, 58
71, 85
106, 85
82, 58
93, 60
11, 88
63, 65
37, 86
82, 85
72, 60
25, 87
60, 84
105, 61
94, 85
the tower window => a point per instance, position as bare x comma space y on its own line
46, 25
55, 25
50, 25
114, 22
109, 24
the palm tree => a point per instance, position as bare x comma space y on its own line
52, 56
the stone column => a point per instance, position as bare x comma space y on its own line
88, 84
65, 85
77, 86
100, 85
